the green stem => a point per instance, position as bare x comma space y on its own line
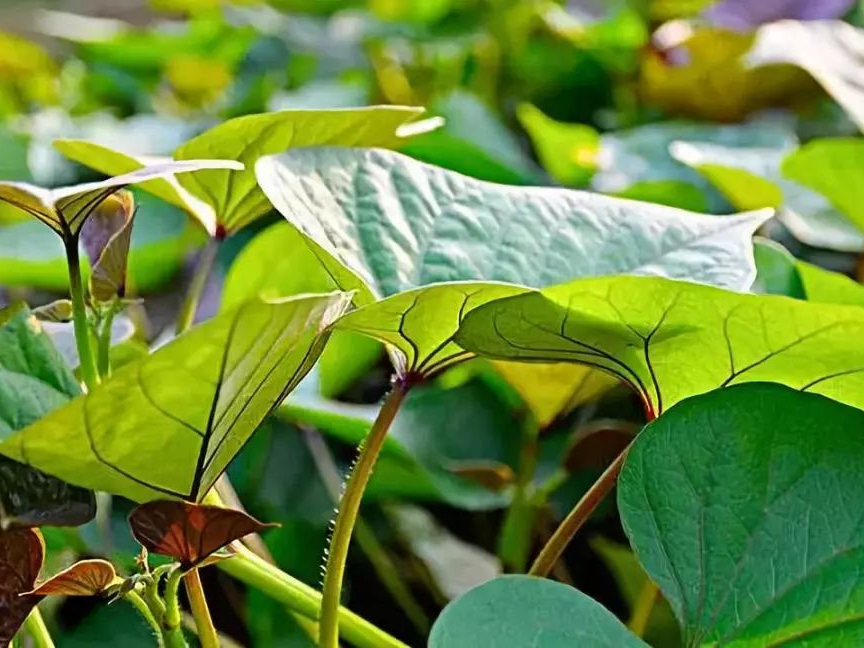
134, 599
172, 630
580, 513
200, 612
384, 567
104, 347
648, 596
299, 597
515, 540
79, 314
196, 287
346, 518
36, 628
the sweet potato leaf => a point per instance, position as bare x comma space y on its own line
21, 554
202, 396
745, 506
33, 382
189, 533
381, 223
669, 340
84, 578
527, 611
106, 238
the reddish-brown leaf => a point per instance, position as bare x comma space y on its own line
490, 474
597, 444
84, 578
21, 554
188, 532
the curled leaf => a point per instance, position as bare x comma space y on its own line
84, 578
106, 237
22, 552
59, 311
187, 532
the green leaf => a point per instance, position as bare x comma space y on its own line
833, 167
824, 286
777, 271
202, 396
381, 223
761, 543
33, 382
670, 340
66, 209
523, 611
751, 178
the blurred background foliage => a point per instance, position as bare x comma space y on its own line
648, 99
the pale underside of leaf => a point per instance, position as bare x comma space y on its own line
669, 340
167, 425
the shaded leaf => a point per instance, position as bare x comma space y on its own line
189, 533
33, 382
21, 554
84, 578
106, 237
772, 475
777, 271
202, 395
381, 223
523, 611
669, 340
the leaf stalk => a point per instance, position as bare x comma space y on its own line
203, 269
38, 631
79, 314
200, 611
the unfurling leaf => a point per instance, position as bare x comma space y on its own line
198, 399
190, 533
59, 311
22, 552
84, 578
34, 381
65, 210
106, 237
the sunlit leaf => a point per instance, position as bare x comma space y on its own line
65, 210
189, 533
106, 237
84, 578
381, 223
670, 340
527, 611
773, 477
33, 382
202, 396
21, 554
830, 50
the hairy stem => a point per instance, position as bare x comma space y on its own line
299, 597
565, 532
200, 612
79, 313
134, 599
38, 631
196, 287
172, 631
384, 567
346, 518
644, 606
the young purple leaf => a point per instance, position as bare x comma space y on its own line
106, 237
22, 552
84, 578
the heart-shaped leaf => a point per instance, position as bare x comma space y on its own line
169, 423
669, 340
33, 382
65, 210
190, 533
745, 506
106, 237
21, 554
84, 578
224, 201
523, 611
381, 223
830, 50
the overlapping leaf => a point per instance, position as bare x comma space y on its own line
669, 340
84, 578
382, 224
106, 237
21, 554
33, 382
198, 399
745, 505
227, 200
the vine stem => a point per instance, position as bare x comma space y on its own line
580, 513
648, 596
35, 626
248, 568
172, 631
346, 518
79, 316
202, 272
103, 352
134, 599
200, 612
